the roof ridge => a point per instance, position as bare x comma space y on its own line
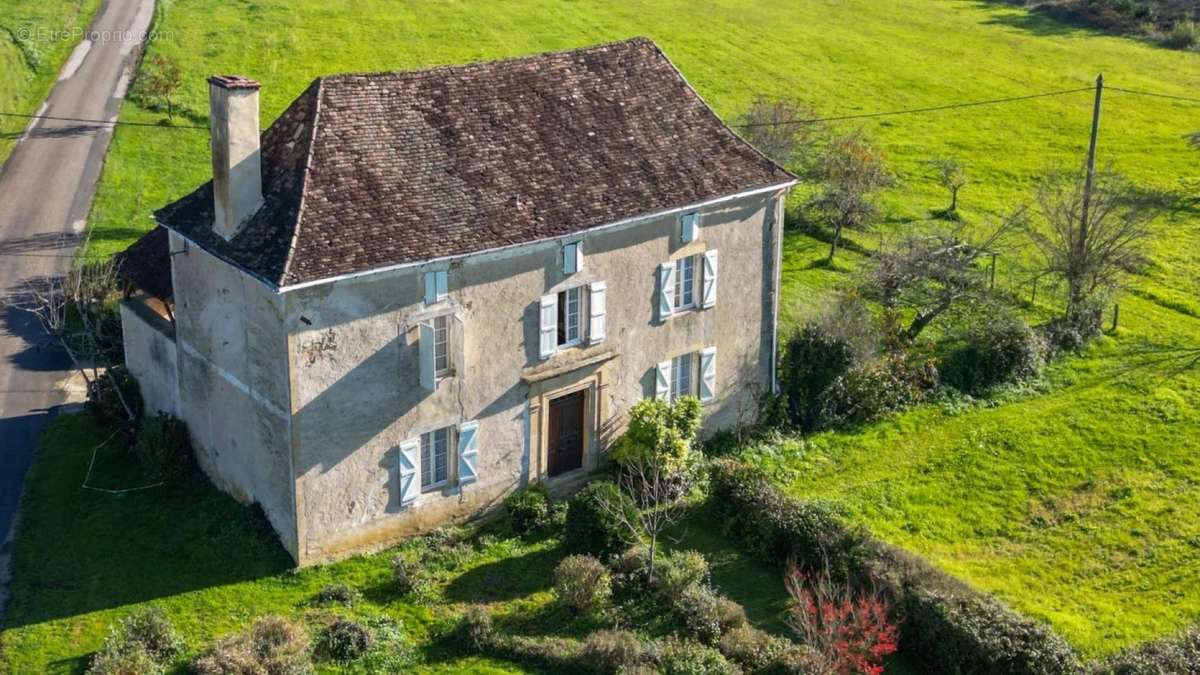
445, 67
308, 156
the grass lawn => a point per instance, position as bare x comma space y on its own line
85, 559
35, 38
1077, 504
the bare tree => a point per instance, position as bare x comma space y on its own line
70, 310
160, 78
853, 173
930, 275
779, 130
1090, 243
952, 176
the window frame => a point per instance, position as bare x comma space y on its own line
428, 440
563, 338
685, 289
683, 375
441, 346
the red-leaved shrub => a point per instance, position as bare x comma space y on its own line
848, 627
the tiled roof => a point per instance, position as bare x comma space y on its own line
366, 171
147, 264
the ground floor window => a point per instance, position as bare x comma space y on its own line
681, 376
435, 458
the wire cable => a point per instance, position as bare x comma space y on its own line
1154, 94
152, 125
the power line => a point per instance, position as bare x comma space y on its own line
103, 122
1154, 94
912, 111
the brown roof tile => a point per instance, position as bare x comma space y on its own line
407, 167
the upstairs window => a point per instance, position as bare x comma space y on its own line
568, 317
435, 458
441, 345
685, 283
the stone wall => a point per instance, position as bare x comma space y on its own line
150, 356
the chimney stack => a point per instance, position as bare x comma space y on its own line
236, 160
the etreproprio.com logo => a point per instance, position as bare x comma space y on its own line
41, 34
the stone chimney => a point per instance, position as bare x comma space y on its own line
236, 160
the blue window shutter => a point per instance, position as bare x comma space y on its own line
410, 458
687, 227
468, 452
426, 354
436, 286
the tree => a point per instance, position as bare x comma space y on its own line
1090, 244
853, 173
928, 276
952, 176
656, 466
778, 130
160, 78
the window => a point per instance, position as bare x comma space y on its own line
436, 286
441, 345
681, 376
568, 317
435, 458
685, 282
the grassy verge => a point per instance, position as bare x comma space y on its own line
35, 38
84, 559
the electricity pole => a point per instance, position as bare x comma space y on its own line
1081, 242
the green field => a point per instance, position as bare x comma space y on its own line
35, 38
1077, 501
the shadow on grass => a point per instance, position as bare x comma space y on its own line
506, 579
79, 551
1042, 21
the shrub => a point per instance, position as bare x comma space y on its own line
730, 615
336, 594
630, 571
1178, 654
345, 640
660, 432
162, 446
1184, 35
118, 657
684, 657
752, 649
392, 651
272, 646
850, 629
778, 528
554, 654
102, 401
994, 353
950, 627
612, 651
698, 606
528, 509
813, 359
475, 628
408, 576
680, 570
592, 524
582, 583
877, 387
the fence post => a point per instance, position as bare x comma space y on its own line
1116, 314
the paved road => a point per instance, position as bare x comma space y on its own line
46, 188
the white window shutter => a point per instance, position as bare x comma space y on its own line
468, 452
708, 296
666, 290
425, 352
596, 311
548, 326
410, 471
708, 374
662, 380
687, 227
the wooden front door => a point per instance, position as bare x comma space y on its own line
564, 440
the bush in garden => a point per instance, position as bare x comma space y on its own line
475, 628
336, 594
778, 528
631, 571
812, 360
761, 653
408, 576
680, 570
995, 352
141, 642
582, 583
660, 431
874, 388
684, 657
103, 402
231, 655
162, 446
554, 654
850, 628
117, 657
730, 615
698, 606
528, 509
1177, 654
272, 646
592, 524
345, 640
612, 651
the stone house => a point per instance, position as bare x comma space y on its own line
419, 291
